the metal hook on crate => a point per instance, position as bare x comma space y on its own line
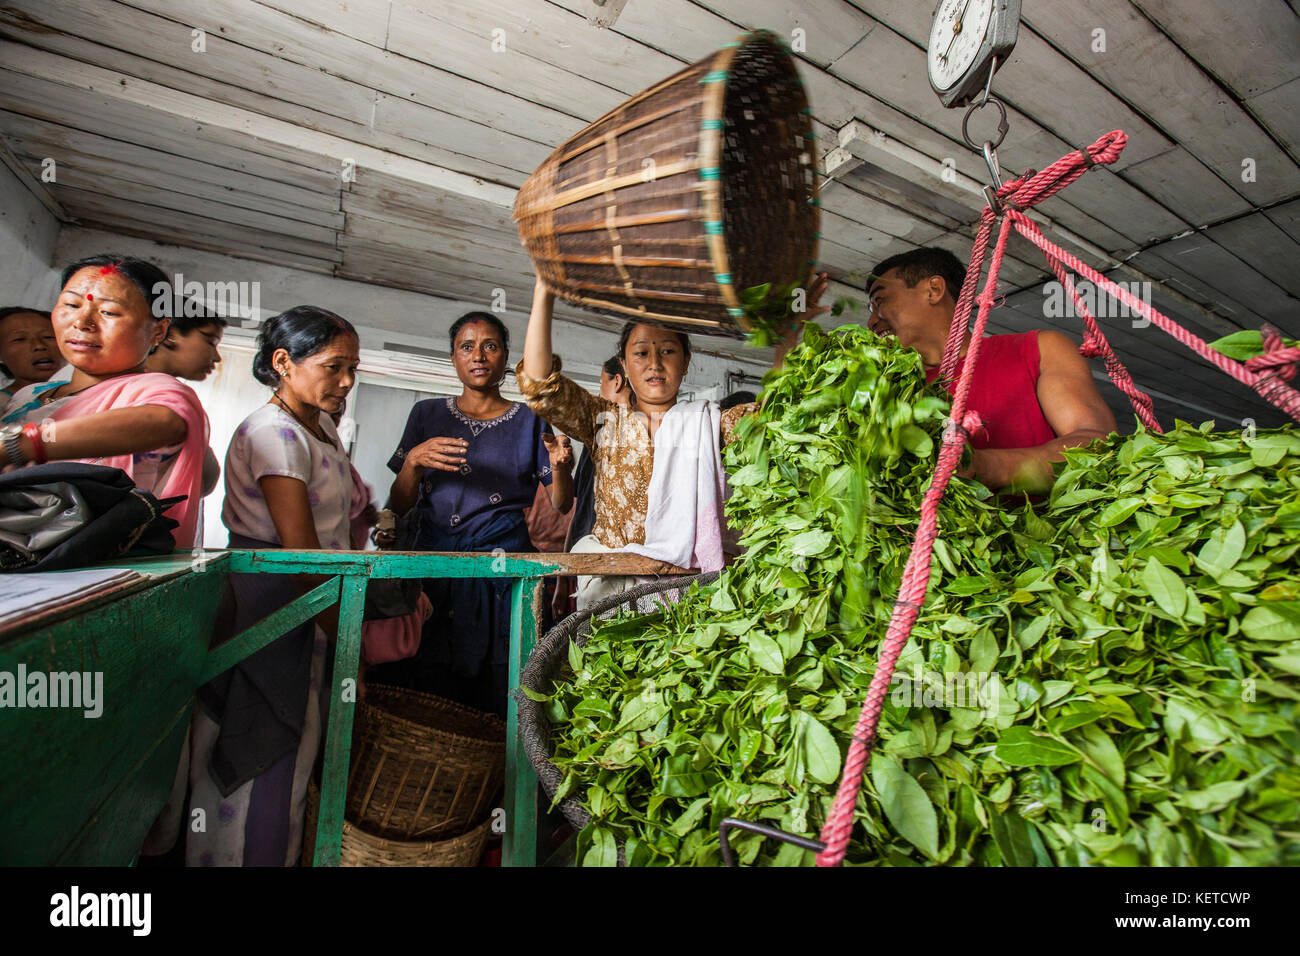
731, 823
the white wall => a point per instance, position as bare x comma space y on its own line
28, 232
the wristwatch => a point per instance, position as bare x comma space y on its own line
12, 436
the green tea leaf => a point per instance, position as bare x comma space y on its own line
1117, 512
821, 753
1011, 833
1021, 747
1165, 587
1222, 550
907, 808
765, 653
1278, 621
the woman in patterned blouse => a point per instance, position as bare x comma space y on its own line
620, 438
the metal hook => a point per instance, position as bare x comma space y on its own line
990, 147
1002, 123
731, 823
991, 160
988, 83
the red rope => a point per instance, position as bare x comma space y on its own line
1278, 357
961, 316
1095, 344
1277, 363
916, 578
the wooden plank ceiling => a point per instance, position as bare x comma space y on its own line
241, 148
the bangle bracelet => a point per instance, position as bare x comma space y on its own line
33, 432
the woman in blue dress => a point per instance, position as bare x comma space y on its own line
471, 465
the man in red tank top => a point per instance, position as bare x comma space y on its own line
1033, 390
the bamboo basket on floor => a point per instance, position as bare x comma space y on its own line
423, 768
669, 207
366, 849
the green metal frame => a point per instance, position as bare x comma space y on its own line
87, 791
351, 570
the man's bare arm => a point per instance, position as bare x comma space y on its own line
1071, 404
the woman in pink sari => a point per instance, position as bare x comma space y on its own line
113, 412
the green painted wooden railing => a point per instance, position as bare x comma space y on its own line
79, 793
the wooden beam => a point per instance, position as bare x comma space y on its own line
163, 213
828, 30
604, 13
449, 564
1275, 111
1231, 280
101, 189
19, 169
1143, 65
51, 102
1183, 183
117, 36
1255, 240
1250, 53
323, 146
528, 57
39, 138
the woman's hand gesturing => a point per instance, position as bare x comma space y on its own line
444, 454
560, 449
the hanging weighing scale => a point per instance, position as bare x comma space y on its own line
969, 40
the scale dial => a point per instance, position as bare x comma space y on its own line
964, 39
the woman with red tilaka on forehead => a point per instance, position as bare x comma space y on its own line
113, 412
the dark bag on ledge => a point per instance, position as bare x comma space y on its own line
64, 515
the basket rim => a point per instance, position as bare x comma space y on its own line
352, 827
390, 717
712, 191
749, 36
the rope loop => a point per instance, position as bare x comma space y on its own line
1278, 357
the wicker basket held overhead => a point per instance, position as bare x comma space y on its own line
669, 207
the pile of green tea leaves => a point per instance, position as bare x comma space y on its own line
1110, 678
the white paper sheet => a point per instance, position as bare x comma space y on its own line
25, 595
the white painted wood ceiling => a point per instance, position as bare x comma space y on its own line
241, 148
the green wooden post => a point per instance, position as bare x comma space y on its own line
338, 736
519, 845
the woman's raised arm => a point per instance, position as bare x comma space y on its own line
537, 341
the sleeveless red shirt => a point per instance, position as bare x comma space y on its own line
1005, 392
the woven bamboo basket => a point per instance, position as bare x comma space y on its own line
423, 768
548, 661
360, 848
669, 207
